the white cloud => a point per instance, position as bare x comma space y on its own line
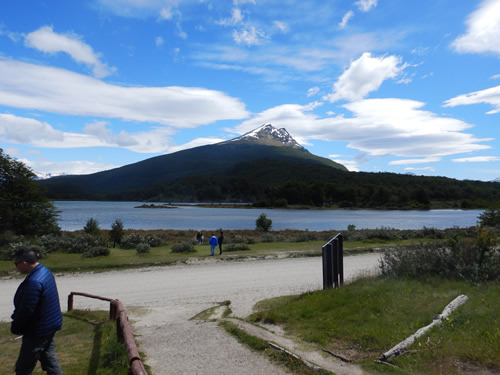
366, 5
496, 76
238, 2
415, 161
281, 26
22, 130
249, 36
429, 169
46, 40
420, 51
195, 143
312, 91
236, 18
378, 127
477, 159
345, 19
483, 30
159, 41
26, 130
60, 91
489, 96
47, 168
166, 13
137, 8
365, 75
351, 165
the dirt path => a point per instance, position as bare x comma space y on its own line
161, 301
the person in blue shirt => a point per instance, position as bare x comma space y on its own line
37, 315
213, 244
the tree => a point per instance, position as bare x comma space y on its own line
92, 227
24, 206
116, 233
263, 223
490, 218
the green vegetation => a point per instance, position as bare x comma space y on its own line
490, 218
293, 365
263, 223
183, 247
471, 259
364, 319
86, 344
24, 207
117, 232
64, 253
270, 177
92, 227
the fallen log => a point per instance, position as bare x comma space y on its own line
438, 319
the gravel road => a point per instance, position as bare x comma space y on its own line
161, 300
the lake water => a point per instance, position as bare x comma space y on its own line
74, 216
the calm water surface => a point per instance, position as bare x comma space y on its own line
74, 216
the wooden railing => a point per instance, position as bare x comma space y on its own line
123, 329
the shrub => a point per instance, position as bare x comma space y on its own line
83, 242
153, 240
263, 223
237, 239
143, 248
183, 247
130, 241
281, 203
305, 236
269, 237
262, 203
236, 247
474, 260
8, 253
7, 237
96, 252
53, 243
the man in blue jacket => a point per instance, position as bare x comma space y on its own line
37, 315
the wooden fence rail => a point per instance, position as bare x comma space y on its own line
123, 329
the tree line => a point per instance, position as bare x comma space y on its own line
280, 184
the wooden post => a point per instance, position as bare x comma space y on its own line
70, 301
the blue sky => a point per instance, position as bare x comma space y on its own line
377, 85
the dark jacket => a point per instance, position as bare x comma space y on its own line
37, 311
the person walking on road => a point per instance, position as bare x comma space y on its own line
37, 315
213, 244
221, 240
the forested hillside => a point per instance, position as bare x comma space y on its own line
279, 183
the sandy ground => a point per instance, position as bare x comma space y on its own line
161, 300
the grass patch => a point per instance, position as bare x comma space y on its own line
259, 245
364, 319
86, 344
257, 344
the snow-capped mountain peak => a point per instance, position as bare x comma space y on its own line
269, 135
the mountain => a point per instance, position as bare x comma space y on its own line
269, 168
270, 136
263, 143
